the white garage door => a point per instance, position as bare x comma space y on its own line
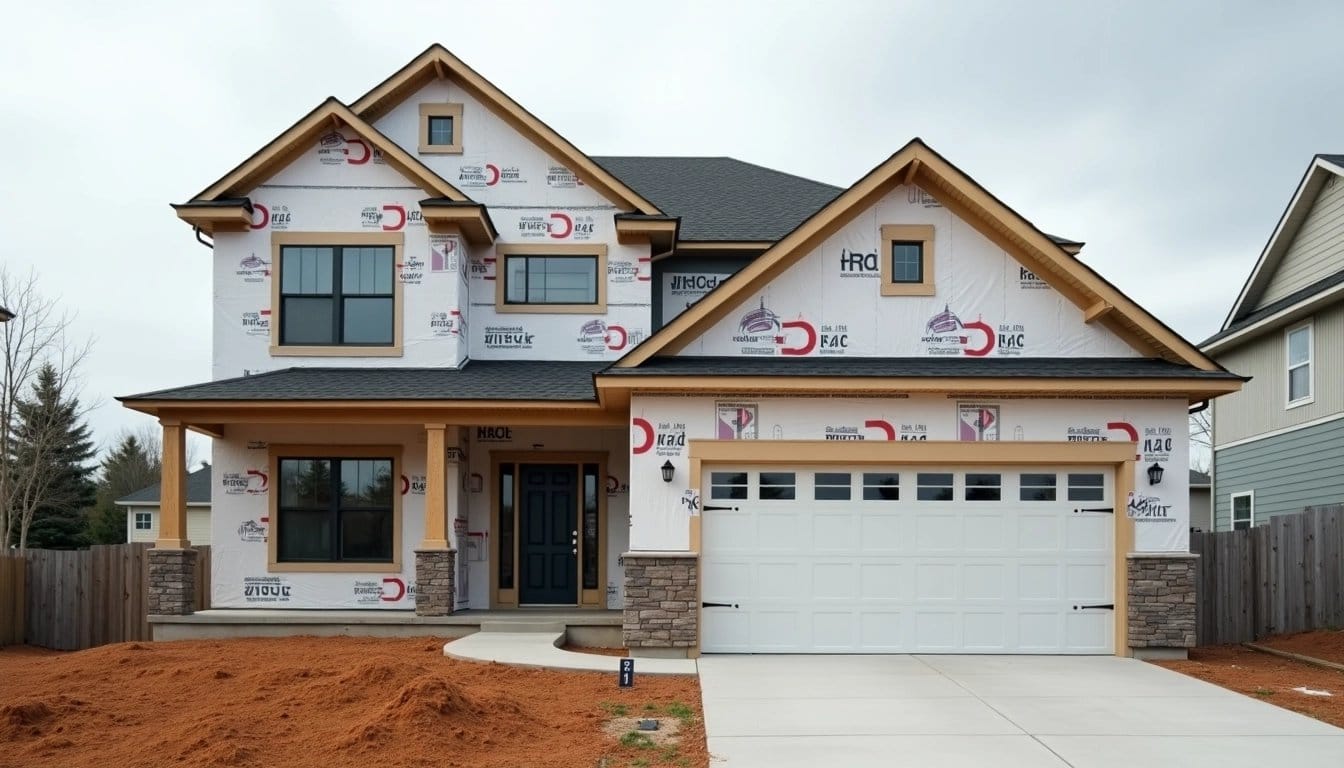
903, 560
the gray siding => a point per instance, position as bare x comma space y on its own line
1288, 472
1260, 405
1318, 248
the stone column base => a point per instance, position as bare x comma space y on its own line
1161, 609
172, 582
435, 573
662, 610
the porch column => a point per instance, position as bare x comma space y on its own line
435, 561
172, 563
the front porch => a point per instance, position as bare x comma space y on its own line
585, 627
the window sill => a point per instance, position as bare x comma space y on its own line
334, 351
440, 149
363, 567
551, 309
907, 289
1299, 403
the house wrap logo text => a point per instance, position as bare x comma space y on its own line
762, 332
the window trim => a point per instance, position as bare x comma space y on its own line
502, 252
1232, 509
277, 452
441, 109
906, 233
149, 521
397, 240
1310, 364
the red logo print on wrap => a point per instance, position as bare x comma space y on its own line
334, 148
943, 331
761, 331
644, 441
393, 589
261, 217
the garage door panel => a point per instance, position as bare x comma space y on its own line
985, 532
1089, 532
876, 573
937, 532
834, 581
883, 533
1039, 531
835, 532
780, 581
1039, 581
985, 581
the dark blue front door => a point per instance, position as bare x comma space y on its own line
548, 534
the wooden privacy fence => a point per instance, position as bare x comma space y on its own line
1284, 576
11, 600
71, 600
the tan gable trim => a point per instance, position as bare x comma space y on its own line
299, 138
964, 198
436, 62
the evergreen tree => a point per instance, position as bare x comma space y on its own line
50, 452
128, 468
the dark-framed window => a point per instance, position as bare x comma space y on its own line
907, 261
933, 486
592, 490
831, 486
727, 485
881, 486
1036, 486
984, 486
778, 486
532, 279
1087, 486
337, 295
144, 521
334, 509
440, 130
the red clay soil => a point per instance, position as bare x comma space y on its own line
1268, 678
331, 702
1324, 644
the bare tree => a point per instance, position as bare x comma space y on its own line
38, 334
1201, 441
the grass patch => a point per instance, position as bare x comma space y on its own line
640, 763
637, 740
1263, 692
680, 711
613, 709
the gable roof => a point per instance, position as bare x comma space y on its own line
298, 138
198, 491
1199, 479
1303, 296
721, 198
1322, 167
438, 62
917, 163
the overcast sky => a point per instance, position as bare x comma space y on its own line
1168, 136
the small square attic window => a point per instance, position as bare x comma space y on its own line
440, 128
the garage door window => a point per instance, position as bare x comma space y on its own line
1086, 487
728, 485
831, 486
778, 485
984, 487
934, 486
1036, 487
881, 486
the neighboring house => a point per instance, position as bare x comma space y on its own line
142, 510
459, 364
1201, 510
1278, 445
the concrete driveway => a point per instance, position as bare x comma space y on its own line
981, 711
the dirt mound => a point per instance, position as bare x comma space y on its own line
298, 701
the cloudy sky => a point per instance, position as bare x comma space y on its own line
1168, 136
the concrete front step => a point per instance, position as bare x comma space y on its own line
509, 625
539, 649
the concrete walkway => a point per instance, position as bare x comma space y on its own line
950, 711
541, 649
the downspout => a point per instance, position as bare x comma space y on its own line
202, 240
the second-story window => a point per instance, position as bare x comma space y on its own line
552, 278
337, 295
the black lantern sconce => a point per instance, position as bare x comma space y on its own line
1155, 474
667, 469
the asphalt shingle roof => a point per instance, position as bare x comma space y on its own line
559, 381
198, 490
721, 198
1198, 478
1020, 367
1275, 307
